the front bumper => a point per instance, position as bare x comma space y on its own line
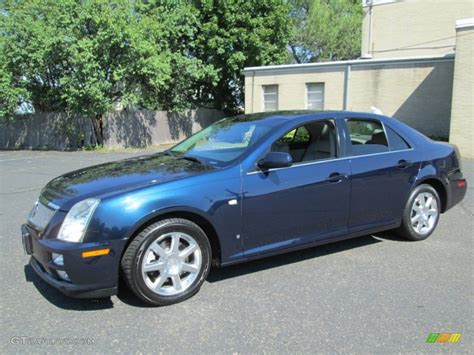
93, 277
69, 289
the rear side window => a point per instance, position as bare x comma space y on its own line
396, 142
367, 137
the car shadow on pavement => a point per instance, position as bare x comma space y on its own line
56, 298
220, 274
128, 297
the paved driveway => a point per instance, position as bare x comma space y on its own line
371, 294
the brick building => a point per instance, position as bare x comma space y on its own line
416, 65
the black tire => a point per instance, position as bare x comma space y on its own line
406, 230
131, 262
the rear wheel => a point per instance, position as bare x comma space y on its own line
167, 262
421, 214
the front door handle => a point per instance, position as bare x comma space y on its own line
336, 177
403, 164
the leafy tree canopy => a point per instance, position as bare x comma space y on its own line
87, 56
236, 34
326, 30
90, 56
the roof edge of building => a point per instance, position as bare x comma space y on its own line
354, 62
465, 23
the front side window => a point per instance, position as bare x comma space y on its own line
309, 142
315, 96
298, 135
367, 137
270, 97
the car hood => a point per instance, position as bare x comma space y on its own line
111, 178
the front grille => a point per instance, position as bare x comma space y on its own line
40, 215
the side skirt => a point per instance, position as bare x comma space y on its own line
313, 244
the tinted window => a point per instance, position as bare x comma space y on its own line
313, 141
396, 142
367, 137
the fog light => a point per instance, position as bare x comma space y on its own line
63, 274
58, 259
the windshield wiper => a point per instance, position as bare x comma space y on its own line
193, 159
185, 157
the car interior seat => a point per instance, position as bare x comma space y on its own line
378, 138
323, 146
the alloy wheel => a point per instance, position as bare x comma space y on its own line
424, 213
171, 263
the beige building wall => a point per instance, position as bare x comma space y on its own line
292, 87
411, 27
462, 114
417, 92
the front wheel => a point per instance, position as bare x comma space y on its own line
421, 214
167, 262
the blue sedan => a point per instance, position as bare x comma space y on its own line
243, 188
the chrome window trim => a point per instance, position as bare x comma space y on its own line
326, 161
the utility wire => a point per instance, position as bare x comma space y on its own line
418, 44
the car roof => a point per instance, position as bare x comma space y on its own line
281, 117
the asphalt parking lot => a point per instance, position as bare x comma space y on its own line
375, 294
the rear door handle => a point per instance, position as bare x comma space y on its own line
336, 177
402, 164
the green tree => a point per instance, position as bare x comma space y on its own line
90, 56
11, 96
326, 30
235, 34
87, 56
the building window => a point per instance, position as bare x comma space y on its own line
270, 97
315, 96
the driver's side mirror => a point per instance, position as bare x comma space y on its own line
274, 160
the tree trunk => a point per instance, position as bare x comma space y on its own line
98, 125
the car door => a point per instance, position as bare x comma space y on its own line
288, 207
383, 170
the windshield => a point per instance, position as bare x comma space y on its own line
223, 141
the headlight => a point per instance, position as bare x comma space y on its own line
77, 220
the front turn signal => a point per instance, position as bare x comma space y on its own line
98, 252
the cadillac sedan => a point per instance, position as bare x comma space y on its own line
243, 188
